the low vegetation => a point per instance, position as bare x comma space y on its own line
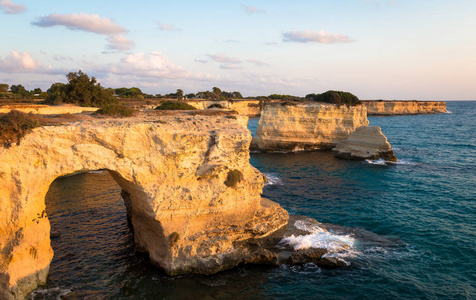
335, 97
115, 110
174, 105
233, 178
15, 124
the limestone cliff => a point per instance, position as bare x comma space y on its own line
186, 214
243, 107
47, 109
366, 142
390, 108
306, 126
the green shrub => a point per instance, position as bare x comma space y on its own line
233, 178
115, 110
16, 124
174, 105
335, 97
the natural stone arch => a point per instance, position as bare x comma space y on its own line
174, 170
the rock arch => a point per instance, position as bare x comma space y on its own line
174, 170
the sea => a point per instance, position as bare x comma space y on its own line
410, 228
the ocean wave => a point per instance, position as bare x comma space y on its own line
355, 246
378, 162
383, 162
273, 179
51, 293
339, 246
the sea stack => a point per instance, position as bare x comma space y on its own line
307, 126
366, 142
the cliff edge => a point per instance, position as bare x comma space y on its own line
306, 126
194, 199
391, 108
366, 142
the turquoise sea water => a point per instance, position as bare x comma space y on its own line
412, 226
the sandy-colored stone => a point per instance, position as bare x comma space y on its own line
173, 167
366, 142
390, 108
306, 126
243, 107
47, 109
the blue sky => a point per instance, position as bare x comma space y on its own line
376, 49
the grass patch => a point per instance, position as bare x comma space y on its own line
175, 105
16, 124
115, 110
233, 178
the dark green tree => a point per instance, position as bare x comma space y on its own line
4, 87
82, 90
19, 90
179, 94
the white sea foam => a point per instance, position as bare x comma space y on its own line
378, 162
272, 179
338, 245
52, 293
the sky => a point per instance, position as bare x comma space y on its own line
375, 49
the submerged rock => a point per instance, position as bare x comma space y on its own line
366, 142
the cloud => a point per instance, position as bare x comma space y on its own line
11, 8
230, 66
58, 57
119, 42
153, 65
308, 36
90, 23
224, 58
258, 63
23, 62
167, 27
84, 22
251, 9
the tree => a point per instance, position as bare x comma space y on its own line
19, 90
179, 94
237, 95
336, 97
82, 90
4, 87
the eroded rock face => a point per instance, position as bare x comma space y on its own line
173, 167
366, 142
390, 108
243, 107
306, 126
47, 109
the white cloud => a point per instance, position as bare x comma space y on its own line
153, 65
308, 36
11, 8
90, 23
258, 63
224, 58
230, 66
23, 62
252, 9
82, 21
167, 27
119, 42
